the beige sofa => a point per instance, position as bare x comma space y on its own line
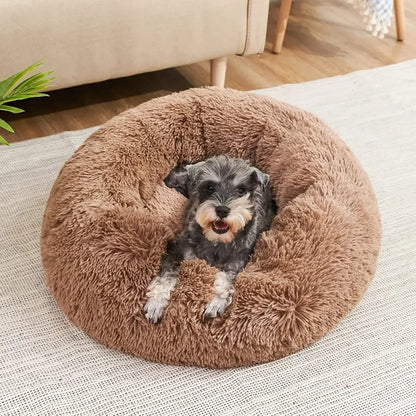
86, 41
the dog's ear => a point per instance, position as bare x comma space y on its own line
178, 179
260, 178
193, 170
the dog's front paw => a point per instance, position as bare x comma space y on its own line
153, 310
216, 307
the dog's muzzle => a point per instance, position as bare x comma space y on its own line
223, 228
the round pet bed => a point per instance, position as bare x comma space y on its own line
110, 216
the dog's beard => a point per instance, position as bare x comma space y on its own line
240, 214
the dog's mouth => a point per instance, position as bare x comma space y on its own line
220, 226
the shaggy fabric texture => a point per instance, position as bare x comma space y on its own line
377, 14
109, 217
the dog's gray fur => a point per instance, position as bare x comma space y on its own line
217, 182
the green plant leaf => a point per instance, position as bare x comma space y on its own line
33, 84
7, 84
39, 86
6, 126
22, 97
11, 109
17, 88
36, 87
4, 141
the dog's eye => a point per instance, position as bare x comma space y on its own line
242, 190
210, 189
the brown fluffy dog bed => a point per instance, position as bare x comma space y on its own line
109, 218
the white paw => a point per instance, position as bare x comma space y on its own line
216, 307
153, 309
158, 296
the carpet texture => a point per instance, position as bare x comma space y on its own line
110, 216
365, 366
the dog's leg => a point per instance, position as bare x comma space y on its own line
160, 288
224, 290
158, 295
224, 286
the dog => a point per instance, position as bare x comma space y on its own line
230, 205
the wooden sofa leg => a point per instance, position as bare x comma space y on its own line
218, 69
281, 25
399, 15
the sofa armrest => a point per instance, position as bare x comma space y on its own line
257, 13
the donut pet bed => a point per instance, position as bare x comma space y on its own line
110, 216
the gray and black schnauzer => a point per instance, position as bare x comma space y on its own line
230, 204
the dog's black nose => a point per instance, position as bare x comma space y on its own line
222, 211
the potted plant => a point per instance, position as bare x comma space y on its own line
17, 88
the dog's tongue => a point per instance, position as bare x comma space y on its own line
220, 225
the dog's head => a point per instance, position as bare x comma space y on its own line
223, 192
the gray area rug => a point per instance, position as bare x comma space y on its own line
365, 366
